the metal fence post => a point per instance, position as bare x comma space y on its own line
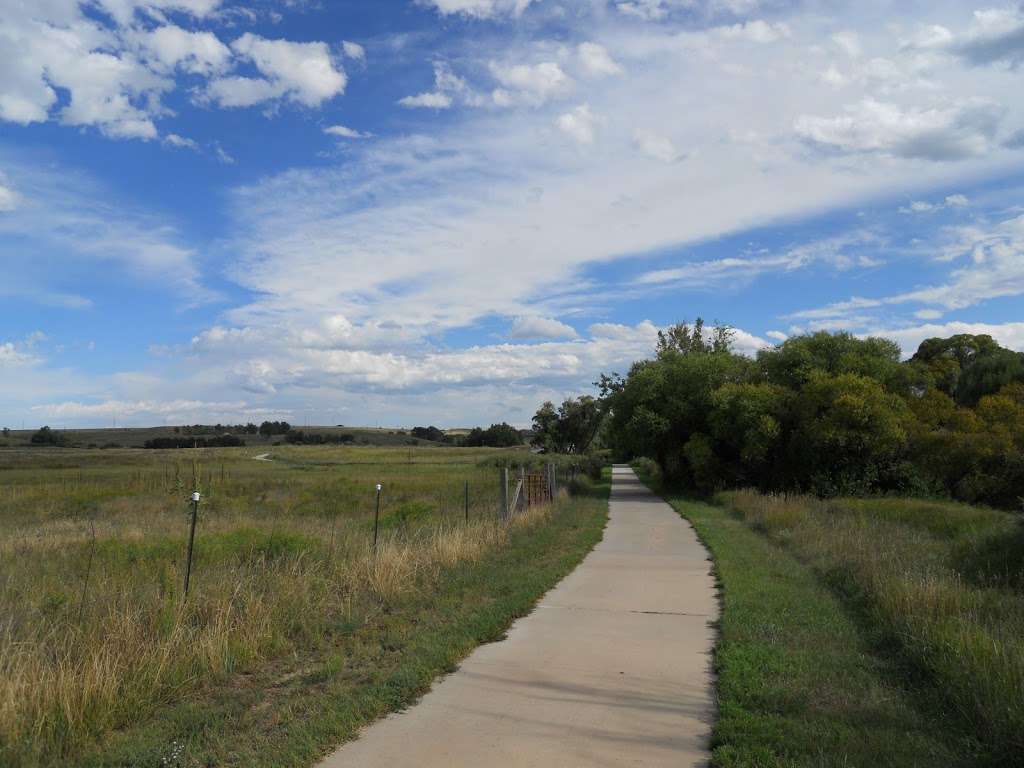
504, 493
191, 540
376, 519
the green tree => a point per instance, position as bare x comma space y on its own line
794, 362
848, 433
748, 422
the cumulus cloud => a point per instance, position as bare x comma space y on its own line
169, 47
480, 9
448, 87
756, 31
180, 142
535, 327
996, 36
353, 50
304, 73
656, 146
344, 132
923, 206
596, 61
8, 197
530, 84
118, 66
953, 132
579, 124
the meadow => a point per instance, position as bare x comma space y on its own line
104, 660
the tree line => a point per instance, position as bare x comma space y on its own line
825, 413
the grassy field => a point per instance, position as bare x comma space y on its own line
884, 632
295, 632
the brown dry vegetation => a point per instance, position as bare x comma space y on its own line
96, 637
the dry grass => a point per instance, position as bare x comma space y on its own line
283, 550
903, 563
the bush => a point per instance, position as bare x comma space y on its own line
48, 437
171, 443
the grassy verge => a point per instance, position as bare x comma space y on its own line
800, 681
380, 655
936, 584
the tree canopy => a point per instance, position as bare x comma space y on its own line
828, 413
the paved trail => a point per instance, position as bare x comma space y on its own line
611, 669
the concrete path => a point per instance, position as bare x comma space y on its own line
611, 669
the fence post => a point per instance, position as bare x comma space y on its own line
521, 498
552, 491
376, 519
504, 493
191, 539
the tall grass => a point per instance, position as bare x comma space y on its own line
935, 580
283, 554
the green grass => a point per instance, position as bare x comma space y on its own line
295, 632
803, 679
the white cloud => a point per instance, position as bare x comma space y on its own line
242, 91
481, 9
447, 88
596, 61
17, 354
117, 69
222, 156
848, 42
839, 252
344, 132
777, 335
954, 132
168, 47
8, 197
427, 100
530, 84
304, 73
166, 411
655, 146
1010, 335
989, 261
756, 31
923, 206
181, 142
124, 11
54, 46
648, 10
579, 124
535, 327
66, 225
996, 36
353, 50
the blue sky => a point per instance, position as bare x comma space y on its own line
447, 211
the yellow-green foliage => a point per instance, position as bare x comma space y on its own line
96, 633
942, 580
